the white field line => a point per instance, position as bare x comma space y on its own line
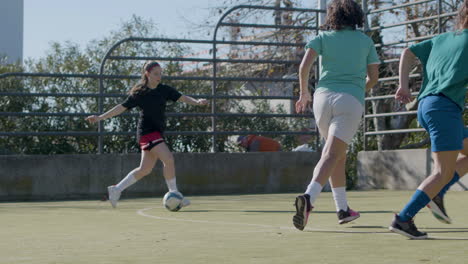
143, 212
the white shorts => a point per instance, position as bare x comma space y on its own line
337, 114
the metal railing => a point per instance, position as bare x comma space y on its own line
368, 116
215, 61
221, 23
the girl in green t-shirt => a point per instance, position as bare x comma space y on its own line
441, 104
347, 57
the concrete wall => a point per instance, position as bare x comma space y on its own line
395, 169
87, 176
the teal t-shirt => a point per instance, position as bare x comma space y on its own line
345, 56
445, 65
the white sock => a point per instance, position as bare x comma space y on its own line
339, 195
172, 185
126, 182
313, 190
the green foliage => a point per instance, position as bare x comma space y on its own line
70, 58
351, 160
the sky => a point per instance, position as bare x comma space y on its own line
80, 21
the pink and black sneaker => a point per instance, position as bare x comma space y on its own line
303, 208
347, 216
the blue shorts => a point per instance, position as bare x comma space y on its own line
443, 120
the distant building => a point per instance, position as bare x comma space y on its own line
11, 30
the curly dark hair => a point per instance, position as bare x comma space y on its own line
343, 14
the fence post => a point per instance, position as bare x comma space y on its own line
365, 9
320, 18
101, 92
214, 85
439, 19
322, 4
100, 110
317, 75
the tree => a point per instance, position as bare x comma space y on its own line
263, 70
11, 104
413, 30
70, 58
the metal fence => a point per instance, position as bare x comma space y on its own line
398, 44
215, 61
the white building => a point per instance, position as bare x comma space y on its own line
11, 30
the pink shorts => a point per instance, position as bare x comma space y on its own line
148, 141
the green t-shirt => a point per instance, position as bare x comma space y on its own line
445, 65
345, 56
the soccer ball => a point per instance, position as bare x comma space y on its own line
173, 201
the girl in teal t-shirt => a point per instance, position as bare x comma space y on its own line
441, 104
347, 57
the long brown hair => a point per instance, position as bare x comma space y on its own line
343, 14
141, 87
462, 19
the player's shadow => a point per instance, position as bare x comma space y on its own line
381, 230
437, 229
384, 230
377, 212
275, 211
446, 238
235, 211
447, 230
252, 211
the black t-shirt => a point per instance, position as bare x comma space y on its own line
152, 106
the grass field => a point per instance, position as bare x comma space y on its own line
227, 229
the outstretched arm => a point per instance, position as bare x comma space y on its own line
189, 100
407, 60
305, 99
116, 110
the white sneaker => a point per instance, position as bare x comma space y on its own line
114, 195
436, 205
185, 202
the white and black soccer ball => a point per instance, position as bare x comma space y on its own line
173, 201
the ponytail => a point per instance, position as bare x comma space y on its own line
141, 87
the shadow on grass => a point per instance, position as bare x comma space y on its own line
274, 211
446, 228
384, 230
461, 230
234, 211
338, 231
446, 238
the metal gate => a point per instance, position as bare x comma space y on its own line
217, 61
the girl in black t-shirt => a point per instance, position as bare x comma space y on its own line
151, 97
